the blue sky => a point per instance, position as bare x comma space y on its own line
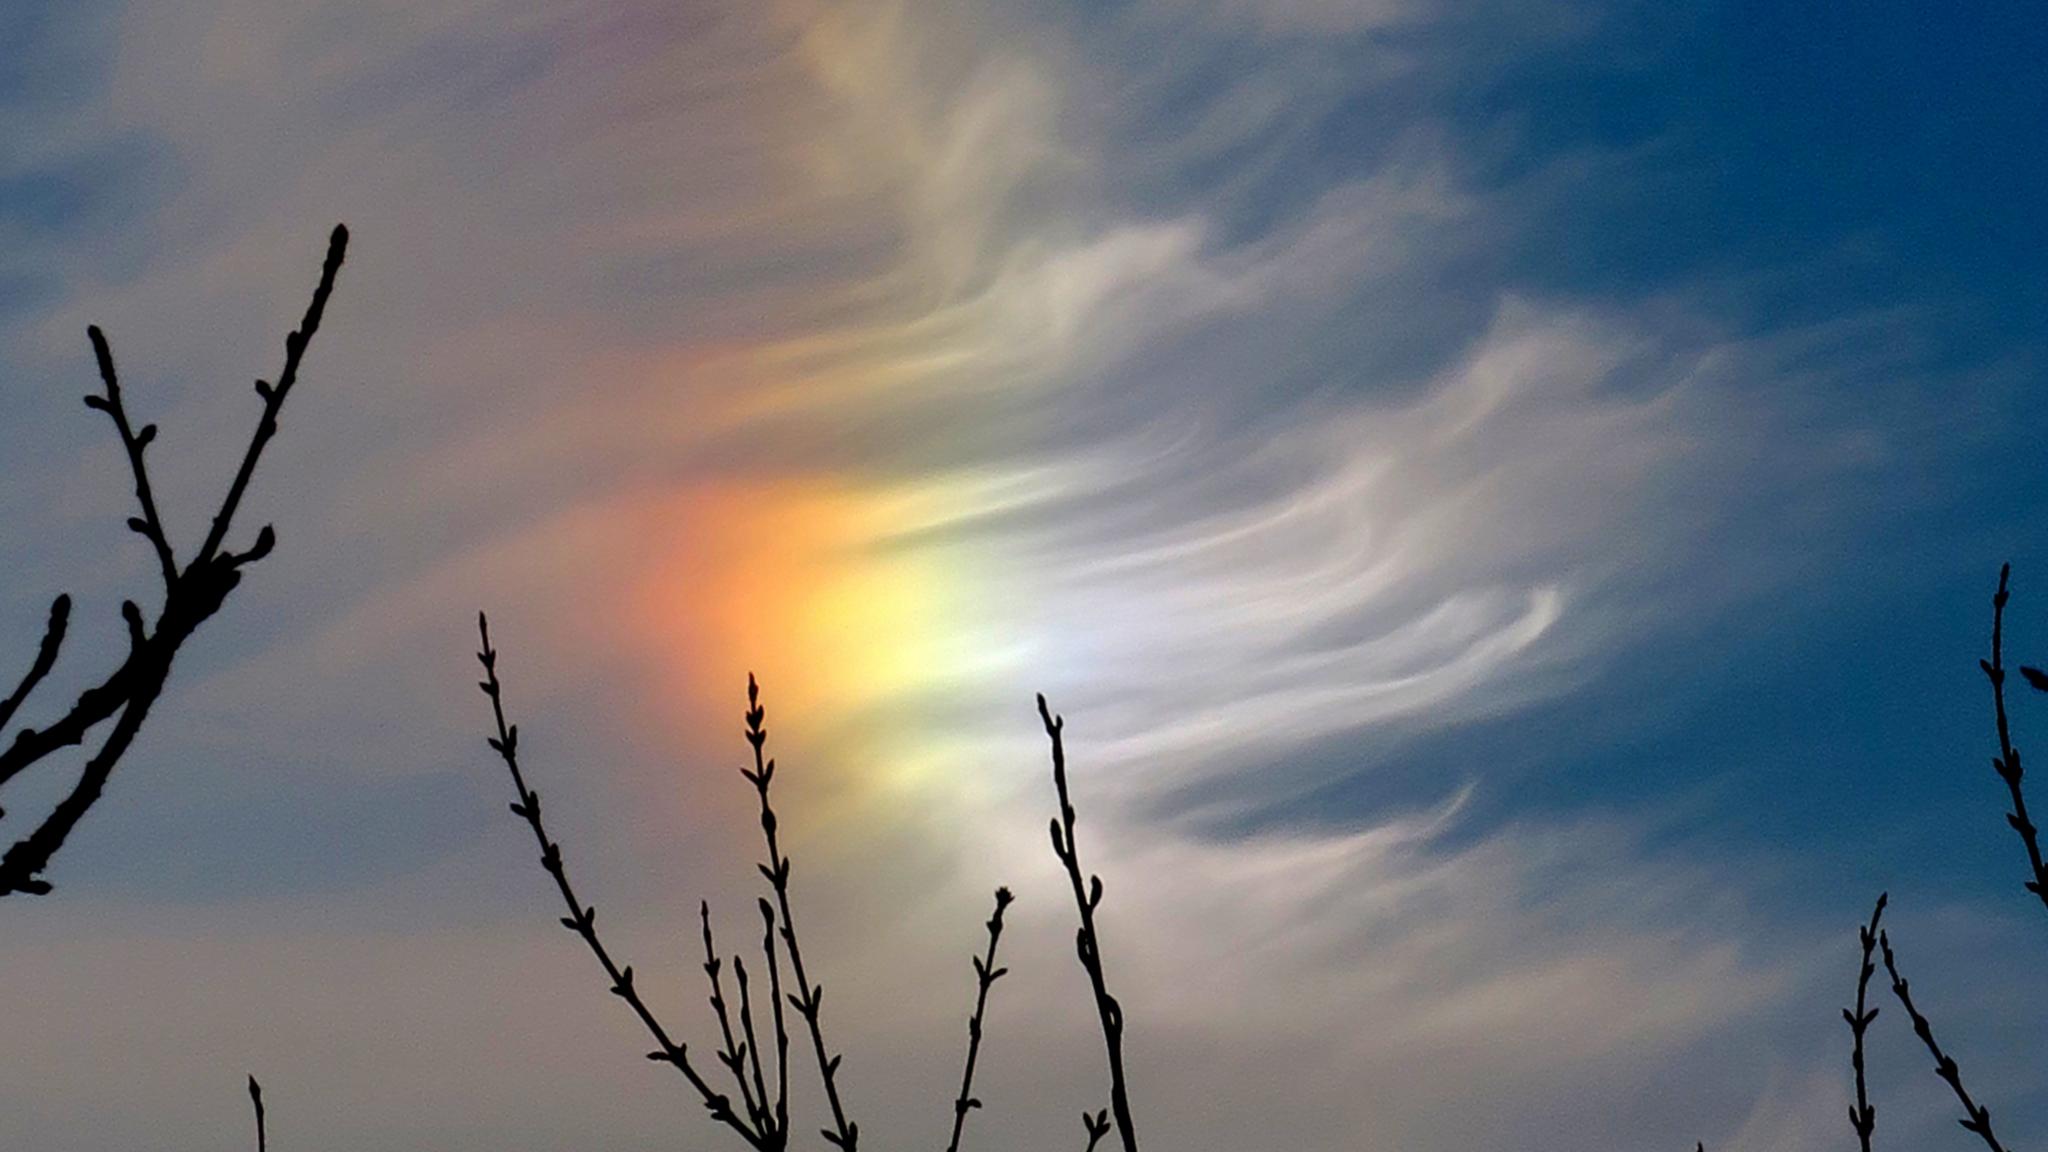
1508, 493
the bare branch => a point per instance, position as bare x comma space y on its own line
752, 1049
1097, 1126
94, 705
2008, 763
21, 865
1976, 1118
1862, 1114
149, 525
191, 597
985, 974
256, 1098
582, 919
775, 1001
809, 997
274, 395
46, 658
734, 1056
1087, 944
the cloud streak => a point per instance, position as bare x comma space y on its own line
918, 356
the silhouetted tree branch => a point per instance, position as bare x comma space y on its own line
985, 975
582, 919
1096, 1124
256, 1098
734, 1057
775, 1000
752, 1044
1087, 944
1862, 1114
809, 997
149, 525
2008, 763
46, 658
1976, 1118
192, 595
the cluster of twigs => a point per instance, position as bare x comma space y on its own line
1976, 1118
762, 1119
192, 592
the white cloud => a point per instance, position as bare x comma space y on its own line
611, 257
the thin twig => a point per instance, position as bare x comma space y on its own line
1087, 943
256, 1098
582, 919
2008, 762
809, 997
1862, 1114
1976, 1118
46, 658
134, 442
775, 1001
985, 975
766, 1123
273, 396
734, 1056
1097, 1126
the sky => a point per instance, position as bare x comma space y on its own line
1506, 495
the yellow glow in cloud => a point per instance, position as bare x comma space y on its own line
798, 581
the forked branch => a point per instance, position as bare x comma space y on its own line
1096, 1124
191, 595
734, 1056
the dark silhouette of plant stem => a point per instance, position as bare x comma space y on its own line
2008, 762
809, 997
1097, 1126
46, 658
985, 974
775, 1001
256, 1098
1862, 1114
734, 1057
753, 1045
1976, 1118
149, 525
582, 919
191, 595
1087, 943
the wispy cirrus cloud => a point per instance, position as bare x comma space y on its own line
919, 356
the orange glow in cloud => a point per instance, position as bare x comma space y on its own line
806, 582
